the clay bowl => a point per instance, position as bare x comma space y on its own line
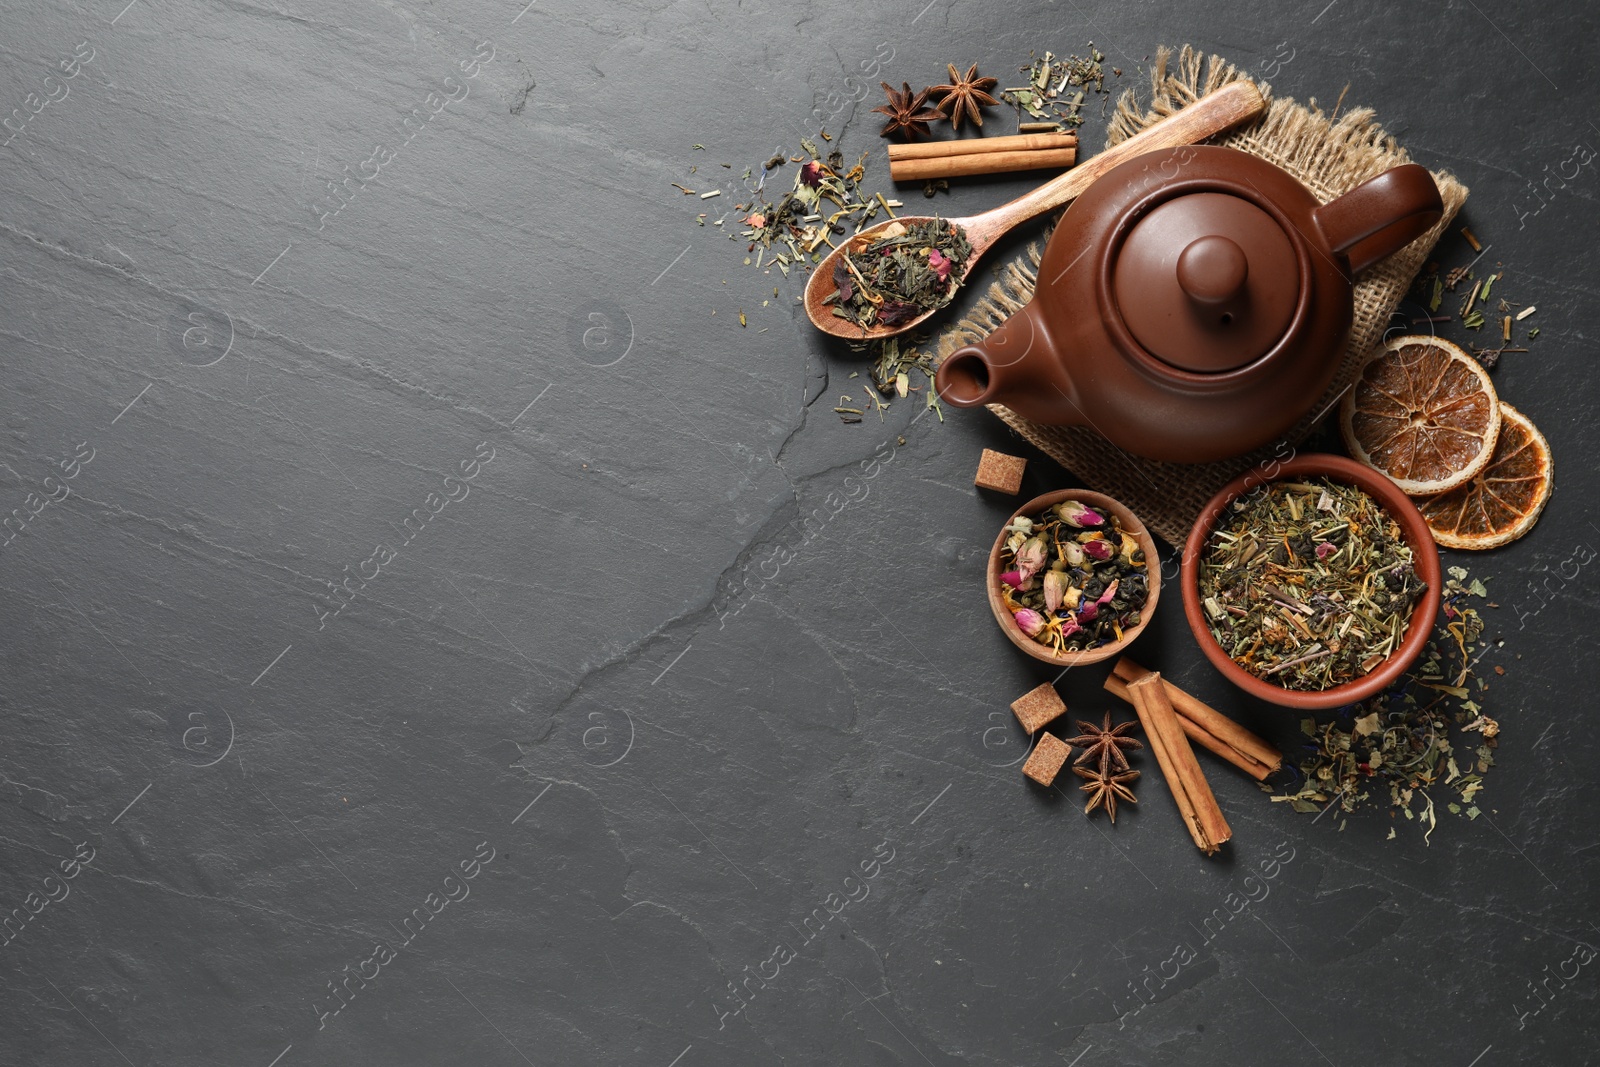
1424, 553
1130, 523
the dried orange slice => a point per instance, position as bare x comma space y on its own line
1423, 412
1501, 503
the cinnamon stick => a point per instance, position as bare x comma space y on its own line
970, 163
1212, 721
1197, 733
1196, 803
1158, 746
1028, 142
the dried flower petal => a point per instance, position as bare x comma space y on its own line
1326, 549
1055, 587
940, 263
1078, 514
1031, 622
1031, 557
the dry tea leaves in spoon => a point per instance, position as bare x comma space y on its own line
899, 273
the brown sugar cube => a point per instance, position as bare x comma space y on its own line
1048, 757
1000, 472
1037, 708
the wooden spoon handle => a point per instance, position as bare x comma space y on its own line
1237, 102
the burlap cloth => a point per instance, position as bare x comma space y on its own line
1328, 156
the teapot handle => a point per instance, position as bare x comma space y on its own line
1381, 215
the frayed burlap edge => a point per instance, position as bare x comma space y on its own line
1328, 156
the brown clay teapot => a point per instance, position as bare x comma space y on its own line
1192, 304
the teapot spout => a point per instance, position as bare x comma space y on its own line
1007, 367
964, 379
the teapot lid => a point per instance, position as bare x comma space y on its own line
1207, 282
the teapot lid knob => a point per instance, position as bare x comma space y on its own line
1206, 282
1212, 269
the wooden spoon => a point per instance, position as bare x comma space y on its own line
1206, 117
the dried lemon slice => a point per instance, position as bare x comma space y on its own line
1423, 412
1502, 502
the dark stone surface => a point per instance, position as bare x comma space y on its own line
718, 715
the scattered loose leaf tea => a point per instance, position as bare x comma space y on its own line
1072, 577
901, 271
1425, 734
1308, 585
1477, 307
793, 232
1056, 88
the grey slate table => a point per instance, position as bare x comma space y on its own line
436, 632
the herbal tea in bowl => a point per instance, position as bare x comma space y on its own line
1071, 577
1314, 586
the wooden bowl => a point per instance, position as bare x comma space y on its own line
1425, 557
1130, 523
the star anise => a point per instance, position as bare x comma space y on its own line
1106, 789
1105, 744
908, 112
964, 95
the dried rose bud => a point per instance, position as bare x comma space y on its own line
1031, 557
1072, 552
1089, 610
1031, 622
1075, 513
1098, 550
1012, 578
1055, 587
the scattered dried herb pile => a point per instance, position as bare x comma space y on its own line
1056, 88
1474, 309
1426, 736
825, 200
1308, 584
